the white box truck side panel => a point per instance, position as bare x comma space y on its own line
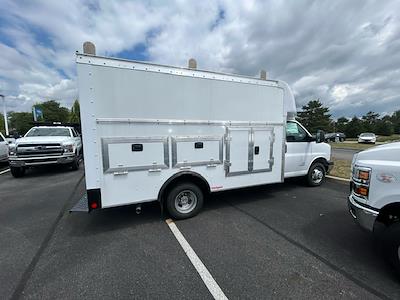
140, 128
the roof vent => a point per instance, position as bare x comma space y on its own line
192, 64
263, 75
89, 48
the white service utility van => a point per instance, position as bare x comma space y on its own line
153, 132
374, 201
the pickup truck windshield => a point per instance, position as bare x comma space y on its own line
49, 132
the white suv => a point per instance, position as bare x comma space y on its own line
44, 145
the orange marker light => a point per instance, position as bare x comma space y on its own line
361, 191
363, 175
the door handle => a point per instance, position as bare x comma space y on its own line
120, 173
185, 168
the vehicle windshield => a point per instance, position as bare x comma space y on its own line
48, 132
367, 134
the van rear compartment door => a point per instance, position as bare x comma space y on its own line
249, 150
262, 144
238, 151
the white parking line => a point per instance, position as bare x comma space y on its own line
205, 275
338, 178
4, 171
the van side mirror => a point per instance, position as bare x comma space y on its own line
320, 136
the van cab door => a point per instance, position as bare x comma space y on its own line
298, 150
77, 139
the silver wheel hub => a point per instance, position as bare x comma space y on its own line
185, 201
317, 175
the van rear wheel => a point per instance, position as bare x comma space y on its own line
185, 200
316, 174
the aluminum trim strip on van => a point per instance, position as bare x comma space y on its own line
186, 122
170, 70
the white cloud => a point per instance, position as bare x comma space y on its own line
345, 53
341, 91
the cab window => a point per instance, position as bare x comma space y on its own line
294, 133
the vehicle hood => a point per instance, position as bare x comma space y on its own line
387, 152
42, 139
366, 137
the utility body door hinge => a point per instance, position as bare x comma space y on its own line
227, 164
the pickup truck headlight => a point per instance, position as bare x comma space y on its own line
361, 178
68, 148
12, 149
361, 174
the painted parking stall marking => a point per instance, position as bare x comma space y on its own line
205, 275
4, 171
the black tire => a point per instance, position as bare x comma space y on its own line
17, 172
186, 192
75, 164
316, 174
391, 245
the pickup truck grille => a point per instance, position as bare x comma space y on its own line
39, 149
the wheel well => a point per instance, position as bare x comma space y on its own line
389, 214
184, 177
322, 161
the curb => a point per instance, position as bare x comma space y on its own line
337, 178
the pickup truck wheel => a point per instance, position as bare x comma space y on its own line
316, 174
185, 200
17, 172
391, 245
75, 164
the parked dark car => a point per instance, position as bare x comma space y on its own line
335, 137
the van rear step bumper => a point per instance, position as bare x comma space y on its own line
81, 205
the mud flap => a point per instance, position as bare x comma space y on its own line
81, 205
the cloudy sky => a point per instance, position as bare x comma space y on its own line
347, 53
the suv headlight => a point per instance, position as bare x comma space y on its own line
68, 148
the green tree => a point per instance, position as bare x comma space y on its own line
395, 119
354, 127
2, 129
370, 121
384, 126
74, 116
53, 112
20, 122
341, 124
315, 116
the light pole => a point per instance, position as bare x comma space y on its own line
5, 114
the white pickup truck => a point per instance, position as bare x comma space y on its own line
43, 145
374, 201
3, 148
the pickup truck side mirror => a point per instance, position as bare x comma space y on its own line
320, 136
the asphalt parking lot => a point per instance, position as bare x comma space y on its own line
279, 241
344, 154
